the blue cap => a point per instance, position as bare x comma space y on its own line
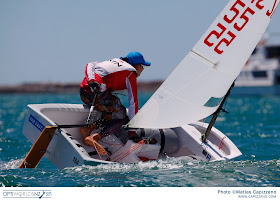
135, 58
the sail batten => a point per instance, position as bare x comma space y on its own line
194, 90
202, 57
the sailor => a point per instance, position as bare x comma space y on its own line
108, 76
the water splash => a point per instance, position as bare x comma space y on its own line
13, 164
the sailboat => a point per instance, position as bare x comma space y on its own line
169, 124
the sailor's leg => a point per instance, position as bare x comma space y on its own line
92, 141
85, 131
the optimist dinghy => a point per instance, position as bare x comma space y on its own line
169, 123
66, 148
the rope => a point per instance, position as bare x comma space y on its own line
221, 144
125, 153
128, 151
113, 145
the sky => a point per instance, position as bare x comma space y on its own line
53, 40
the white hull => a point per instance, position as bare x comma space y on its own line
67, 149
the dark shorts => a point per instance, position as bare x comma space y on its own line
112, 127
113, 112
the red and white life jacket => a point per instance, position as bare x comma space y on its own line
113, 75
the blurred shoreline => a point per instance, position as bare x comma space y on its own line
53, 87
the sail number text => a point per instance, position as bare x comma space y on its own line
244, 16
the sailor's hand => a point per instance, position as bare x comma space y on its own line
94, 86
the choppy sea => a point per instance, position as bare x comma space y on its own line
253, 124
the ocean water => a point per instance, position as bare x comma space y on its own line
253, 124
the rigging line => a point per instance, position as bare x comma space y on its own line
128, 151
203, 121
147, 139
115, 151
225, 104
131, 150
124, 154
120, 146
222, 143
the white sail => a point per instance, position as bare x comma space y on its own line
197, 86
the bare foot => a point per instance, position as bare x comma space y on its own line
92, 141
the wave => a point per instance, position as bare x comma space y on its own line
170, 172
12, 164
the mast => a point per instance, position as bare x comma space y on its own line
215, 115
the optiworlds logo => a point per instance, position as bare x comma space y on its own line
39, 194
